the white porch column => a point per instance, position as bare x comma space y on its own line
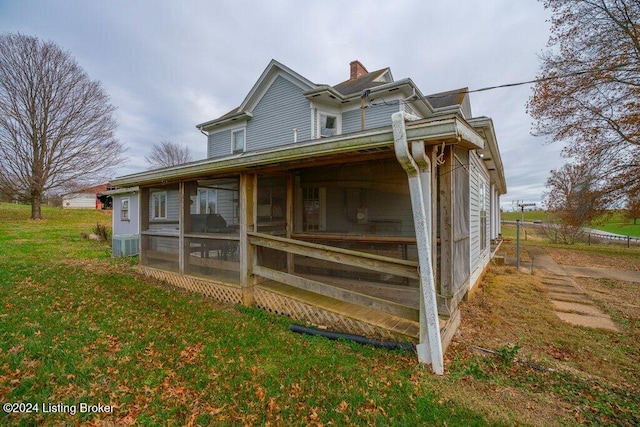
430, 347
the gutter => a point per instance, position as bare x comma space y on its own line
418, 168
450, 129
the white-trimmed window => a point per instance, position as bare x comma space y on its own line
207, 201
238, 140
124, 209
159, 205
483, 215
327, 125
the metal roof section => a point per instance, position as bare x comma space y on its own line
448, 129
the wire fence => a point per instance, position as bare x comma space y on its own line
628, 240
588, 236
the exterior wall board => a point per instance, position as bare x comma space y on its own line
479, 178
219, 144
125, 227
282, 108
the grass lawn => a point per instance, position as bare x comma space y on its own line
614, 223
77, 326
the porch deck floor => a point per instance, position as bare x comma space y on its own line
375, 317
405, 295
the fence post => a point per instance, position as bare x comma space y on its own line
628, 241
589, 239
518, 244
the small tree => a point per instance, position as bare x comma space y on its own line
167, 153
56, 124
576, 197
633, 204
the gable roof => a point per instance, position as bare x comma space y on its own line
244, 111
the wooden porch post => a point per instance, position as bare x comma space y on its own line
182, 256
447, 214
144, 224
248, 201
290, 218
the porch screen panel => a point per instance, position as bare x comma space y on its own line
361, 206
213, 206
362, 199
215, 259
160, 227
461, 226
212, 229
271, 213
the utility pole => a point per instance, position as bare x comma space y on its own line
522, 206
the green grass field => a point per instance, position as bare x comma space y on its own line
77, 326
615, 223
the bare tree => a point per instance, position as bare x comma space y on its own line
588, 94
576, 197
56, 124
167, 153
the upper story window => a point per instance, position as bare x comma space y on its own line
159, 205
238, 140
327, 125
124, 210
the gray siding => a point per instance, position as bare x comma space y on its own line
351, 121
282, 108
124, 227
477, 178
219, 144
380, 115
375, 116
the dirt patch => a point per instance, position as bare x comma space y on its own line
555, 361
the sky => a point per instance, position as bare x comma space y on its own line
169, 65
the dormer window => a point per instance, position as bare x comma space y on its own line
328, 125
238, 140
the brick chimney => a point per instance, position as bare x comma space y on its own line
357, 70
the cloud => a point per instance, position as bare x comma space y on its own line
171, 65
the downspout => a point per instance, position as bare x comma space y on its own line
418, 168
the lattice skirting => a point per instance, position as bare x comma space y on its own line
218, 291
279, 304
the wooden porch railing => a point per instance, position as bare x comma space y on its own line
377, 263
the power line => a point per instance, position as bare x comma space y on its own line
543, 79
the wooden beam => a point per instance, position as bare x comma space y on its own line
248, 203
214, 263
368, 261
338, 293
143, 212
356, 238
447, 216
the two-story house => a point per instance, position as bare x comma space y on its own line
365, 207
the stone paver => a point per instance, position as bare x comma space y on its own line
570, 302
579, 308
587, 321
